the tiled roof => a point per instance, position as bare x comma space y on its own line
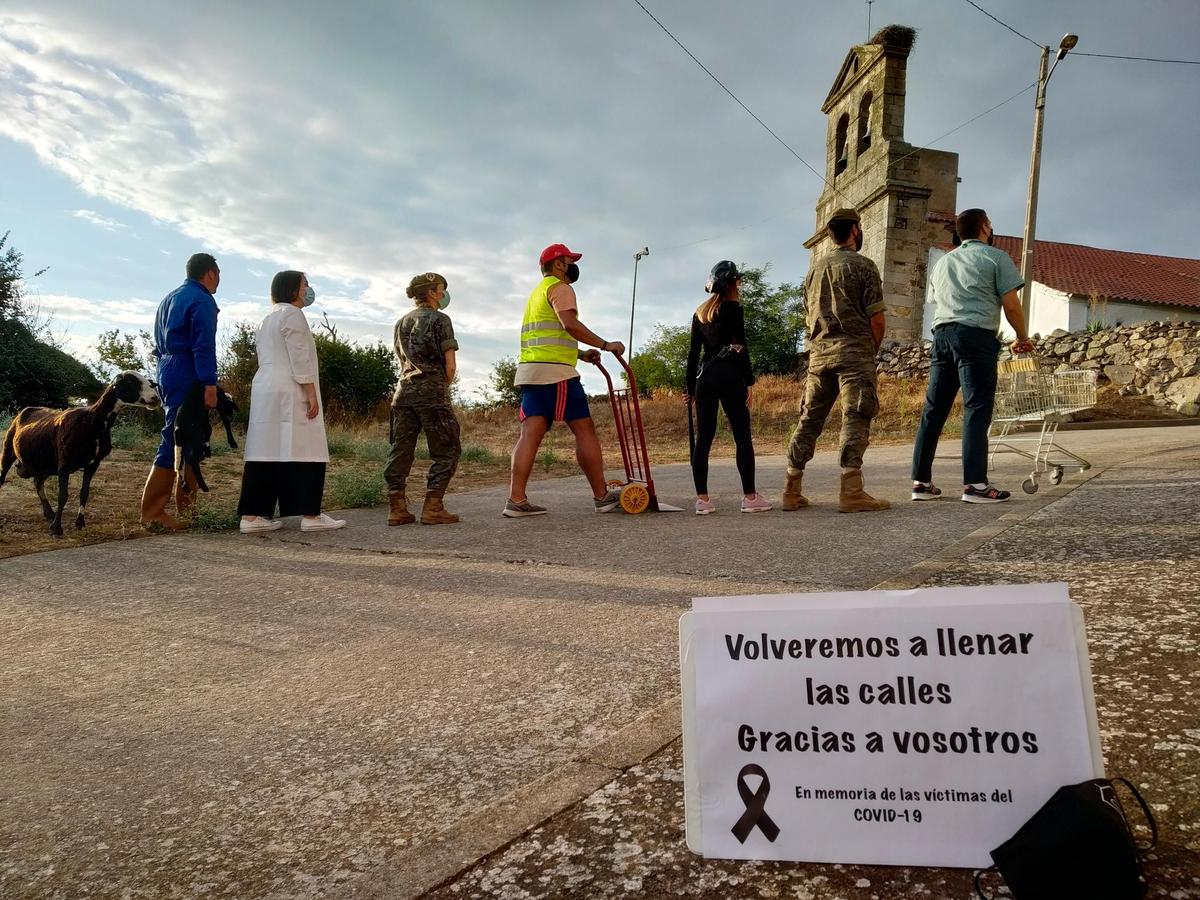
1111, 274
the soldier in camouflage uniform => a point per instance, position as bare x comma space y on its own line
425, 345
844, 298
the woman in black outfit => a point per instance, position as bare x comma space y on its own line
722, 377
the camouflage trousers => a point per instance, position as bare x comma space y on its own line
855, 386
441, 433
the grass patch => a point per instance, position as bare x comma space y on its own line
548, 458
367, 442
126, 436
210, 516
477, 453
350, 489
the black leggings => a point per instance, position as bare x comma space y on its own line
727, 389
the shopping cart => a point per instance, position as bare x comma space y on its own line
1027, 393
637, 490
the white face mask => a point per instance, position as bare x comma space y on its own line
309, 296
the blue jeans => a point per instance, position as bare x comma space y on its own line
962, 356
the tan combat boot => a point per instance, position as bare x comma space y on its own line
433, 513
398, 513
854, 499
154, 499
792, 498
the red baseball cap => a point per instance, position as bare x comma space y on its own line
554, 251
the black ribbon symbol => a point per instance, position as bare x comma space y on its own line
756, 802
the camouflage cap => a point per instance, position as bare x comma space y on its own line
423, 282
846, 214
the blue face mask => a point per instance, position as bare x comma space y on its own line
445, 301
310, 296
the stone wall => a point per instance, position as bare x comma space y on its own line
1156, 359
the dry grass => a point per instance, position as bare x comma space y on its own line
357, 456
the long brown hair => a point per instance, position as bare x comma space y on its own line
707, 311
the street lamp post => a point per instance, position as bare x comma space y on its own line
1035, 165
637, 258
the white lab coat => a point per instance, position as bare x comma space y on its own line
280, 430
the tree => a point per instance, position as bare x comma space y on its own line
118, 351
775, 323
661, 361
501, 389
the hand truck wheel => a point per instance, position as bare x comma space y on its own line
1030, 485
1056, 475
635, 498
614, 485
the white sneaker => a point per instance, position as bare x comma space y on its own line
321, 523
257, 524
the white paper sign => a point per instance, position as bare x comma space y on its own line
910, 728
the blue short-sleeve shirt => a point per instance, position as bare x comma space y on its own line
968, 282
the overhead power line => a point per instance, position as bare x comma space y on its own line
990, 109
735, 97
1182, 62
1005, 24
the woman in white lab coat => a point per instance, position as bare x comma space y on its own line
286, 449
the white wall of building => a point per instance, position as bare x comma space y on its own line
1051, 309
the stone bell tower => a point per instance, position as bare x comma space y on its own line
903, 194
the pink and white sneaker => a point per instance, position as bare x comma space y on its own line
705, 508
756, 503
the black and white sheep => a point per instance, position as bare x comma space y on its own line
193, 432
56, 442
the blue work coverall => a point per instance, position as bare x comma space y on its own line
185, 344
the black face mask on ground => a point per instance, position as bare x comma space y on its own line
1077, 845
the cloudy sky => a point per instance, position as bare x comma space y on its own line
367, 141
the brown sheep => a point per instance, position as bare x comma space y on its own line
45, 442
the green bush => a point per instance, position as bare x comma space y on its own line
239, 362
354, 378
33, 373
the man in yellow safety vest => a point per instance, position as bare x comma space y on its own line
551, 389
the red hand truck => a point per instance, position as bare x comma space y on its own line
637, 490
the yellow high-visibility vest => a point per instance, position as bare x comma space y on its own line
543, 339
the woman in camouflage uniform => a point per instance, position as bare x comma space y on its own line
424, 342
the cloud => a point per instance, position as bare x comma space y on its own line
96, 219
367, 143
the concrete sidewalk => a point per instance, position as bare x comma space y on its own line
301, 715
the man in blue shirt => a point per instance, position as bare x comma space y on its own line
185, 345
969, 287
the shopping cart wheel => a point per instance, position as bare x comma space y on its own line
634, 498
1029, 485
1056, 475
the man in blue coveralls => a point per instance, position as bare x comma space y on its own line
185, 345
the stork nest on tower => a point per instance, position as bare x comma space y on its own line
900, 36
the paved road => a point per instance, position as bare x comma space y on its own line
299, 715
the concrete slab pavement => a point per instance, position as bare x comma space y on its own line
281, 715
1126, 543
